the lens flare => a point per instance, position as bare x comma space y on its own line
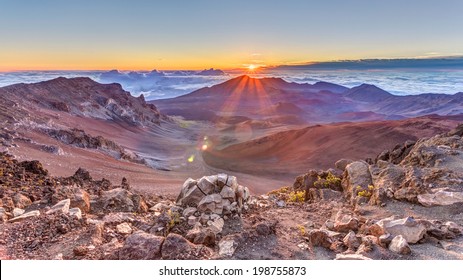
204, 147
191, 158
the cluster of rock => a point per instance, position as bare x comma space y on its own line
428, 172
96, 220
355, 237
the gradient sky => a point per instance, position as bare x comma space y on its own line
174, 34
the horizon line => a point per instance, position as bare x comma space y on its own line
289, 64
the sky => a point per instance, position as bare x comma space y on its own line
175, 34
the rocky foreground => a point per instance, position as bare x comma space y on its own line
405, 204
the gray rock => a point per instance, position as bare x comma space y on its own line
232, 182
75, 212
207, 184
399, 245
192, 220
228, 193
60, 207
189, 211
440, 198
357, 178
228, 246
216, 225
385, 239
118, 199
141, 246
351, 240
408, 228
208, 203
342, 164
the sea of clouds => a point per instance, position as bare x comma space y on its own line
166, 84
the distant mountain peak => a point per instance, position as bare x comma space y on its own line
367, 93
211, 72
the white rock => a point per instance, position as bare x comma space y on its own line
124, 228
408, 227
18, 212
440, 198
24, 216
351, 257
62, 206
75, 212
227, 247
400, 245
217, 225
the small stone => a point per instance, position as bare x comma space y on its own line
351, 240
351, 257
80, 251
192, 220
21, 201
216, 225
201, 235
18, 212
75, 212
62, 206
159, 207
189, 211
319, 237
345, 222
280, 203
400, 245
227, 246
124, 228
385, 239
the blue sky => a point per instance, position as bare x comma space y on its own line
224, 34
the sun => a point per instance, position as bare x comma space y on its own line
252, 67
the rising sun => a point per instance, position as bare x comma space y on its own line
252, 67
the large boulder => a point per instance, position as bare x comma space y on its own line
408, 228
141, 246
440, 198
342, 163
121, 200
215, 194
356, 178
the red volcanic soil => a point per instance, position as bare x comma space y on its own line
287, 153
